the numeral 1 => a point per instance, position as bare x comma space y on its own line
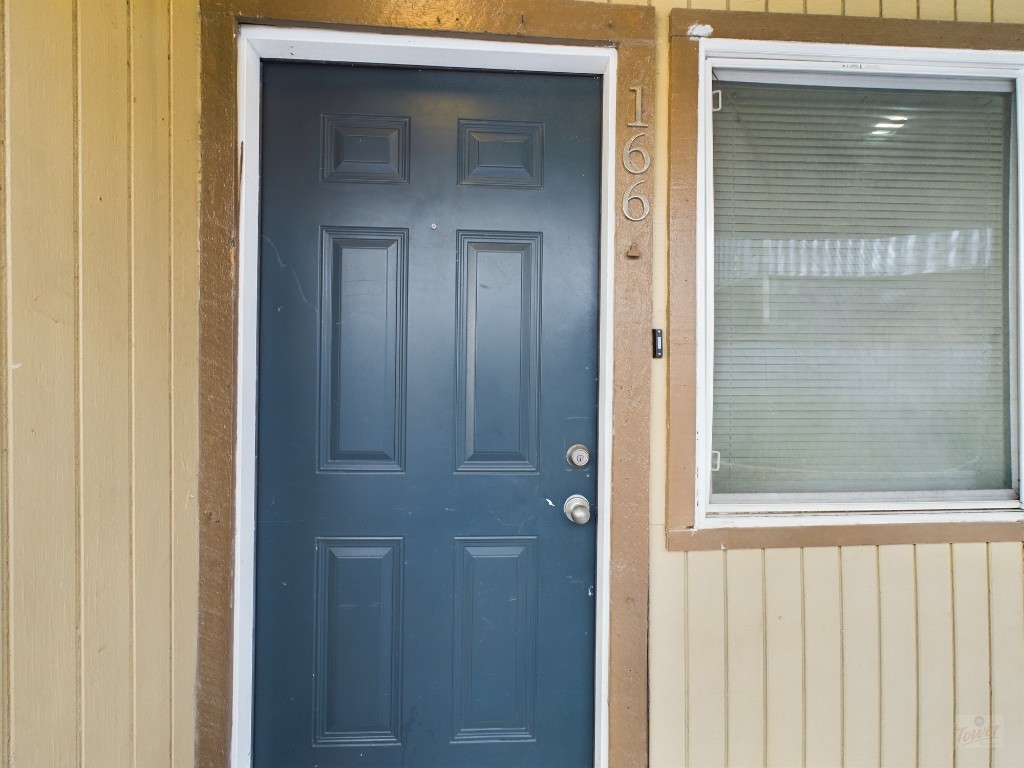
638, 119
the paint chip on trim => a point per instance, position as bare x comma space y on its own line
697, 31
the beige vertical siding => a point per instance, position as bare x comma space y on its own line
183, 99
822, 705
105, 461
830, 656
897, 625
99, 348
42, 385
1006, 622
860, 656
855, 656
744, 654
783, 656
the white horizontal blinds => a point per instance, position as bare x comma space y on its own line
861, 305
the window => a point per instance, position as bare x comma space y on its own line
857, 284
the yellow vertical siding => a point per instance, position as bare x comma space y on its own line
105, 343
785, 6
150, 252
43, 428
99, 358
825, 7
937, 10
184, 361
899, 9
1008, 11
973, 10
862, 8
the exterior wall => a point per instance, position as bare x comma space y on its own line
98, 429
865, 655
830, 656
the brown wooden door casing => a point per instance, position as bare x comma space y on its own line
631, 30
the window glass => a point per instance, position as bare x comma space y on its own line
863, 310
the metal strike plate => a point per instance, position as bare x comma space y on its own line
578, 456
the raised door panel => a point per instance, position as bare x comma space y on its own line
362, 378
495, 675
494, 153
358, 636
499, 352
365, 148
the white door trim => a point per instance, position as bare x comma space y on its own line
256, 43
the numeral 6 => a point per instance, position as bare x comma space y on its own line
629, 150
631, 194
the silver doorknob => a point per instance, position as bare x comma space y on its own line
577, 509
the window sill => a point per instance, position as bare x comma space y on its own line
823, 530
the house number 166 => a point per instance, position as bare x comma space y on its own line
636, 160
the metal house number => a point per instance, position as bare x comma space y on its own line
636, 160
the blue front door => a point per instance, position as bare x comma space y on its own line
428, 356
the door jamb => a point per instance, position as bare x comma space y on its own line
256, 43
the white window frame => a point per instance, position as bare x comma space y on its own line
256, 43
840, 59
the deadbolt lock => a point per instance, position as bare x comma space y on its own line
578, 456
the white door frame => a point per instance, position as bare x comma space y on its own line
256, 43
